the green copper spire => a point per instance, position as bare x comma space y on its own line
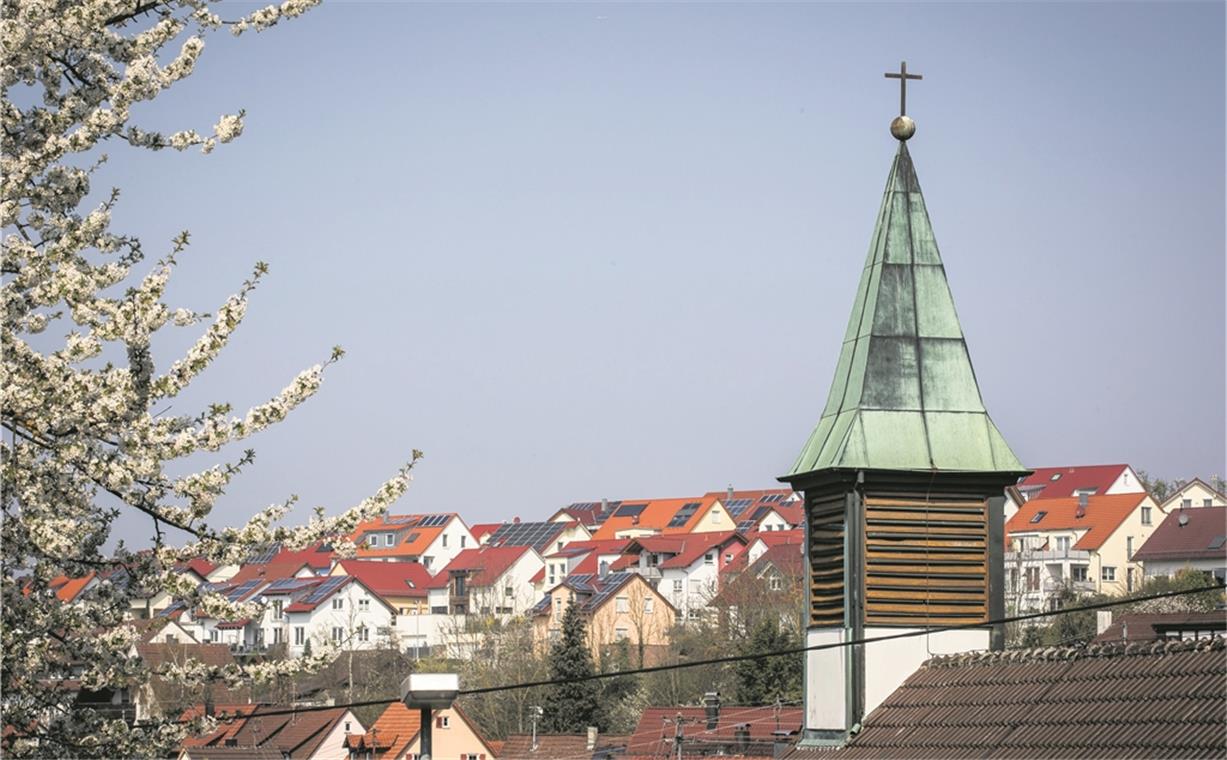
904, 395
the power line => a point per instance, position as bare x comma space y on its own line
778, 653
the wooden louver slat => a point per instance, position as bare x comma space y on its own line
826, 561
926, 563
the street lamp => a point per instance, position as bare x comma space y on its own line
429, 691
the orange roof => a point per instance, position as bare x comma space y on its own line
1104, 514
66, 589
410, 538
656, 514
395, 728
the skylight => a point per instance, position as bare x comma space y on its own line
1038, 516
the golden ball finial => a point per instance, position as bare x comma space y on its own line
902, 128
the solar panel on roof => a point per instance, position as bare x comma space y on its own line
264, 555
684, 514
745, 525
630, 510
400, 519
534, 534
433, 521
609, 585
238, 592
325, 589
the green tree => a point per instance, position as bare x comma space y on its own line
765, 679
622, 697
572, 704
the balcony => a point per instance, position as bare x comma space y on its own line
1025, 557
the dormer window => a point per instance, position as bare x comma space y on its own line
389, 539
1038, 516
373, 539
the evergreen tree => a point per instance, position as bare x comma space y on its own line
572, 704
763, 680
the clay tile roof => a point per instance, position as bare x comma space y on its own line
689, 548
1104, 514
1139, 700
648, 739
484, 564
1197, 539
389, 579
299, 735
1070, 479
397, 725
480, 530
777, 537
198, 565
413, 534
648, 514
67, 589
549, 747
1142, 626
268, 571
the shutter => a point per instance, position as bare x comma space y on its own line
826, 560
439, 722
926, 562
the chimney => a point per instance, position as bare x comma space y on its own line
730, 492
591, 738
604, 505
1082, 500
1103, 620
711, 706
515, 520
741, 738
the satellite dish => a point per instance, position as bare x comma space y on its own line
1183, 519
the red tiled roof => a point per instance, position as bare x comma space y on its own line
655, 515
269, 571
777, 537
688, 548
298, 735
1103, 701
411, 539
1104, 514
1171, 541
484, 564
1071, 479
198, 565
481, 530
67, 589
398, 579
552, 747
649, 739
793, 512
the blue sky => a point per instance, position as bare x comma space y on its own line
585, 251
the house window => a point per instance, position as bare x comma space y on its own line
300, 635
337, 633
508, 591
364, 605
622, 604
277, 608
715, 516
373, 539
1077, 573
364, 633
277, 633
1038, 516
445, 540
558, 604
1146, 519
1033, 579
338, 603
619, 634
427, 562
1108, 574
775, 583
709, 558
1128, 547
214, 635
462, 542
693, 613
1063, 543
1186, 502
443, 721
728, 558
1207, 502
388, 538
677, 587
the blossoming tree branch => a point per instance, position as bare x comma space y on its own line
80, 389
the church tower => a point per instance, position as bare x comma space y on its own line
903, 477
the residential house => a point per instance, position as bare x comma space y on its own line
768, 589
433, 540
686, 568
731, 731
1133, 627
1092, 480
543, 537
618, 607
268, 731
1195, 493
342, 610
584, 557
761, 510
649, 517
491, 580
396, 735
162, 696
1084, 543
759, 543
590, 514
1194, 538
1147, 700
402, 585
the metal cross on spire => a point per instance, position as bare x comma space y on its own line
903, 76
